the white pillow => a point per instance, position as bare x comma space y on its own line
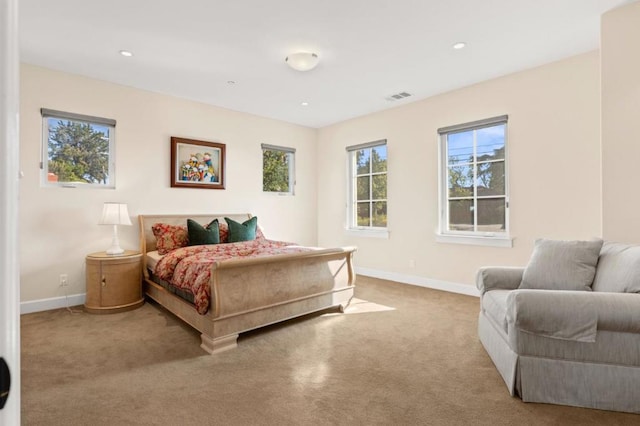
562, 265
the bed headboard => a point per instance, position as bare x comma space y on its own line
148, 240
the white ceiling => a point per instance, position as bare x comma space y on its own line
368, 49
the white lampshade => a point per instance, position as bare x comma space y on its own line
115, 214
302, 61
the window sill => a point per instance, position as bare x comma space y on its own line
368, 233
74, 185
475, 240
279, 194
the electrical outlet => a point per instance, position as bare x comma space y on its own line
64, 280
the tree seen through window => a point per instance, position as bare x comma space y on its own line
277, 170
476, 198
370, 189
78, 152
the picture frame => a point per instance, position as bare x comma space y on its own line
197, 164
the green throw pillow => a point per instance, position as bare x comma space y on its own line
245, 231
199, 234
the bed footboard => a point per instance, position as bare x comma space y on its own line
251, 293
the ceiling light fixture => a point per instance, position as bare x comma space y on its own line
459, 45
302, 61
126, 53
305, 104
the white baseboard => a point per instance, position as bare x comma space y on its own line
53, 303
79, 299
420, 281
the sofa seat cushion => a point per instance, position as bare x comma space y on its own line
560, 325
618, 268
566, 315
494, 305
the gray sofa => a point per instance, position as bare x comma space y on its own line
566, 329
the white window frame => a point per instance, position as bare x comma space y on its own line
351, 219
69, 116
291, 154
445, 235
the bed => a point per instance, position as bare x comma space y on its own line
251, 292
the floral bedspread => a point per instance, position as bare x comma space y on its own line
189, 268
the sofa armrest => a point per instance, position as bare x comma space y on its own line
573, 315
498, 277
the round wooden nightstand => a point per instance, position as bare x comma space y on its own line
114, 282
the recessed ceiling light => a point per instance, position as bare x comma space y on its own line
304, 103
126, 53
459, 45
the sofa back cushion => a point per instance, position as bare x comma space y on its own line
562, 265
618, 268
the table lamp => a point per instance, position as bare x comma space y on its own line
115, 214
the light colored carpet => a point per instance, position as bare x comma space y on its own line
402, 355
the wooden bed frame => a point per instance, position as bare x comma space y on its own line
250, 293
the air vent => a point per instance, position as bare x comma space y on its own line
398, 96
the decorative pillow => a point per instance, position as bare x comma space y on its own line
245, 231
169, 237
618, 268
199, 235
562, 265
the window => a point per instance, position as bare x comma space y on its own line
278, 173
368, 186
474, 198
77, 150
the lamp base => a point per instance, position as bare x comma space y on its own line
115, 248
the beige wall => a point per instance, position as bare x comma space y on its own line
58, 226
620, 45
554, 161
554, 155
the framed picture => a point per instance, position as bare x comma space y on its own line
197, 164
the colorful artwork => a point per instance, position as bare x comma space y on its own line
197, 164
199, 168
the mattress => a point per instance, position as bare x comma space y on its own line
152, 259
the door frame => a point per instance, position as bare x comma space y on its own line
9, 188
